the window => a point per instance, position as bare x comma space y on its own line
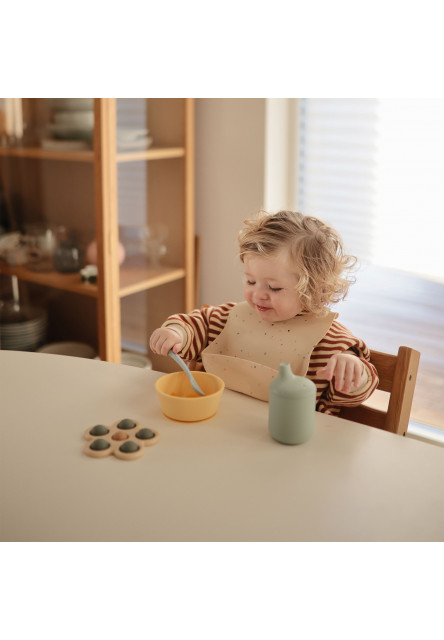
375, 170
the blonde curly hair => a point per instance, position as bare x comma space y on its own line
316, 255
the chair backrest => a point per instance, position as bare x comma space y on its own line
397, 375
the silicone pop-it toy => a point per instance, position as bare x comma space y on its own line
126, 439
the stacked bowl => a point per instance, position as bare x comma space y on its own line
72, 123
22, 328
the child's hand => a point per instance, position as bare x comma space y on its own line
346, 369
164, 339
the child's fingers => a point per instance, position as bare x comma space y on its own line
346, 370
153, 340
166, 340
359, 370
326, 373
349, 377
167, 344
339, 374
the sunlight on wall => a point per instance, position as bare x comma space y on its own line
409, 202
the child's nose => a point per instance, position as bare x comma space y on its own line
263, 294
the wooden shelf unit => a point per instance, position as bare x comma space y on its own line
171, 200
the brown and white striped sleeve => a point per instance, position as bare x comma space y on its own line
199, 327
340, 340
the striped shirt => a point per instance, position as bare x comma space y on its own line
203, 325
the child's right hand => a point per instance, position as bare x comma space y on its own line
164, 339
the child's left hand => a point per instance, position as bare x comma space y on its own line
346, 369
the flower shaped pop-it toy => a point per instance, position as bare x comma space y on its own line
126, 439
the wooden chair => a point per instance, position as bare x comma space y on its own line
397, 375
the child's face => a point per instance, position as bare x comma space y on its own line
270, 287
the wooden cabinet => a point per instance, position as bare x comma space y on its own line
94, 191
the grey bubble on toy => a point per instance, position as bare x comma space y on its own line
99, 430
127, 423
129, 447
99, 445
145, 434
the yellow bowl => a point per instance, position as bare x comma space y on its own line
179, 401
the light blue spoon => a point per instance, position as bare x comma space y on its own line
183, 366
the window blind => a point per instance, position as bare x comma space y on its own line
336, 168
374, 169
132, 177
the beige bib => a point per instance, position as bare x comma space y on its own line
248, 351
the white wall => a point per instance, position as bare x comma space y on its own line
230, 147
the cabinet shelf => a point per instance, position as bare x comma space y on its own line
154, 153
64, 281
133, 279
136, 279
48, 154
92, 191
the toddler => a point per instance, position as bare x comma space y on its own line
294, 269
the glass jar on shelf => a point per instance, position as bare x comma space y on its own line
68, 254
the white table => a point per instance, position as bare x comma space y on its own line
221, 480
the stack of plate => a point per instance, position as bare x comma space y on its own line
129, 138
136, 360
24, 330
77, 349
73, 122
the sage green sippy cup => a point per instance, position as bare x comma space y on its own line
292, 406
